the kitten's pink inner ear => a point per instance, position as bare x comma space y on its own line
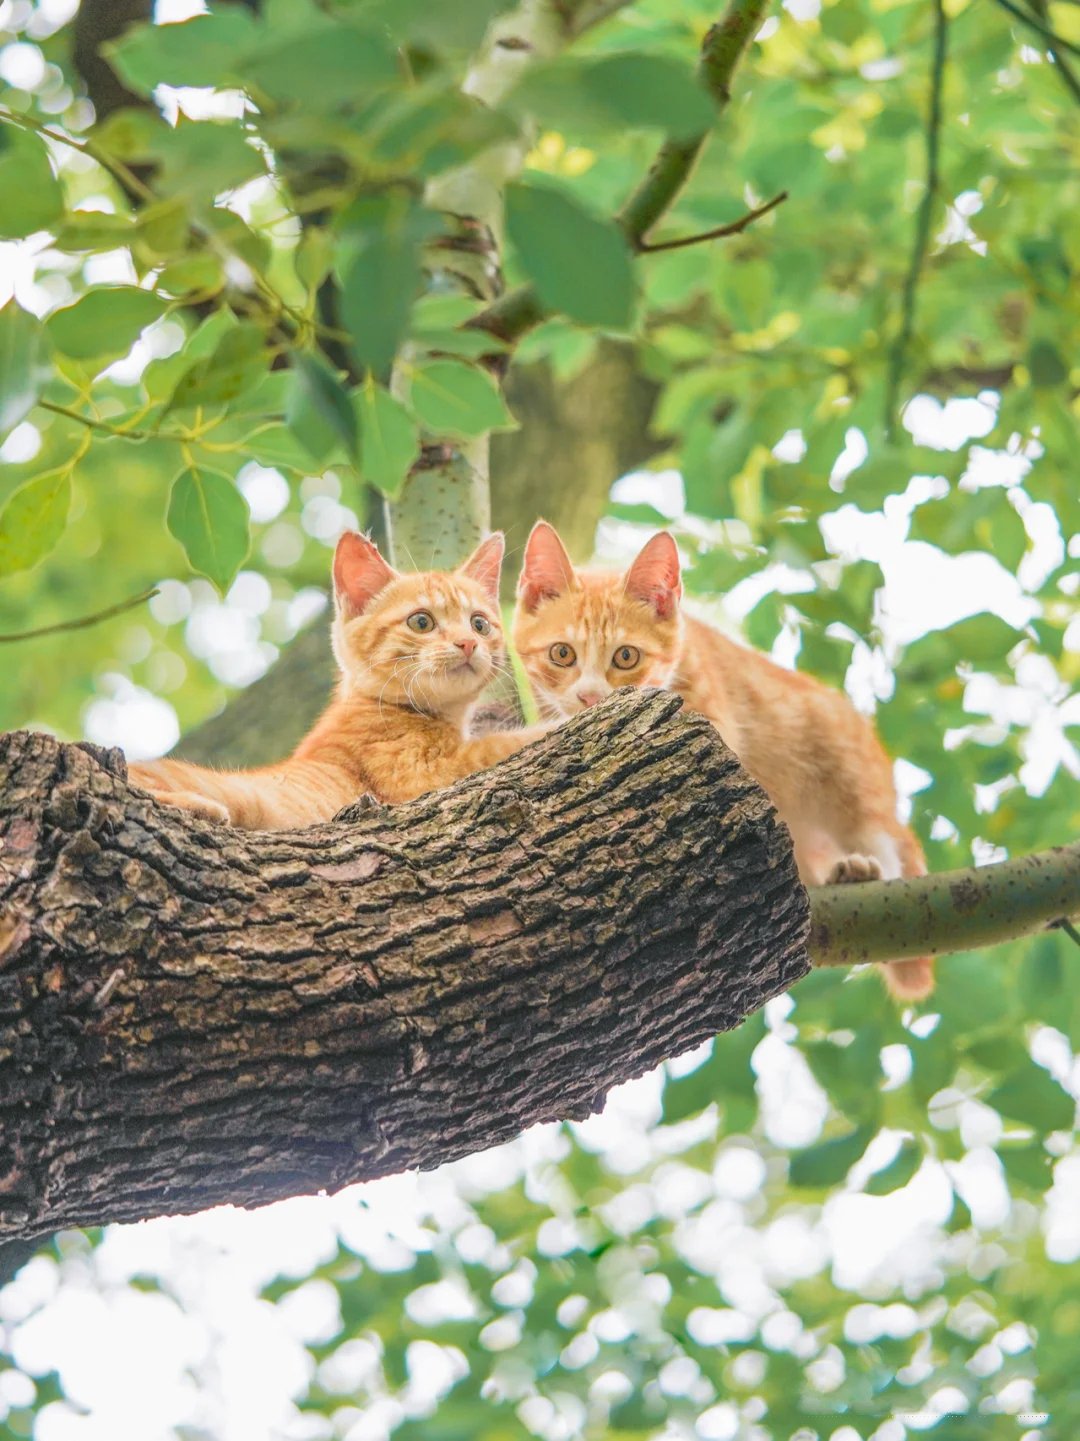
360, 573
547, 570
655, 575
485, 565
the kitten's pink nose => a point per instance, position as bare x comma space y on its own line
589, 697
466, 646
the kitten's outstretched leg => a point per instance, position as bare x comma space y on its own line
197, 804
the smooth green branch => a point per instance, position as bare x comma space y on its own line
722, 49
951, 911
520, 310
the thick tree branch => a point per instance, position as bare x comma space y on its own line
193, 1014
950, 911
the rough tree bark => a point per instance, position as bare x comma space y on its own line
192, 1014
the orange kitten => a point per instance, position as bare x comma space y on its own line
581, 634
414, 651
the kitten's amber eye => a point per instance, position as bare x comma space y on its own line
563, 654
481, 625
421, 621
626, 657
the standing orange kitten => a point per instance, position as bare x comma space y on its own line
581, 634
414, 651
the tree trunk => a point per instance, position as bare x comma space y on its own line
194, 1014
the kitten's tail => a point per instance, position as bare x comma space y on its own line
910, 980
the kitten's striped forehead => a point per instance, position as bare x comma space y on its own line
446, 596
597, 615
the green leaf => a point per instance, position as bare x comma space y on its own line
199, 51
726, 1076
331, 66
105, 322
451, 398
24, 365
459, 26
898, 1172
198, 159
614, 92
236, 364
1027, 1163
851, 1074
381, 277
89, 230
1046, 365
322, 393
209, 517
32, 197
579, 262
389, 439
965, 521
1031, 1096
827, 1163
33, 520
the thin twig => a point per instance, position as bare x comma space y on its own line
127, 179
734, 227
1034, 23
83, 621
1069, 77
92, 423
898, 355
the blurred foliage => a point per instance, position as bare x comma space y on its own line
164, 273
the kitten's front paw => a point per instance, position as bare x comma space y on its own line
854, 868
198, 805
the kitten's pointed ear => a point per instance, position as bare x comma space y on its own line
485, 564
360, 573
547, 570
655, 575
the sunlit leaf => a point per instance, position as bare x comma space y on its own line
24, 364
389, 439
319, 391
32, 197
209, 517
33, 520
455, 399
106, 321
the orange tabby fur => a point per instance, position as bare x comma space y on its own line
817, 758
398, 725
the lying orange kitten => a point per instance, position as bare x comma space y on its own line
414, 651
581, 634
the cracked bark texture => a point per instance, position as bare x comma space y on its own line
191, 1014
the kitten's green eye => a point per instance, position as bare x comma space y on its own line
626, 657
481, 625
563, 654
421, 621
